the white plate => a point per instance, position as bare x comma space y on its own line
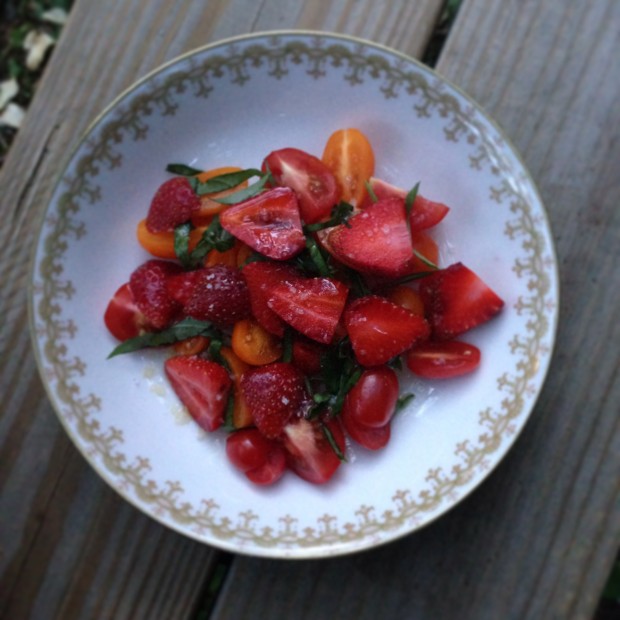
230, 104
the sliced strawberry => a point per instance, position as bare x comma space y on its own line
269, 223
311, 305
379, 329
457, 300
375, 241
174, 203
149, 287
424, 214
220, 295
274, 393
202, 386
309, 452
261, 277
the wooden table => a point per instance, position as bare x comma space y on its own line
538, 538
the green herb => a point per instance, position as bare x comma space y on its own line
333, 443
371, 192
244, 194
223, 182
181, 243
426, 261
313, 260
410, 199
413, 276
213, 238
229, 420
403, 401
182, 170
340, 214
287, 346
187, 328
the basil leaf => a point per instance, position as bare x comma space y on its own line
181, 243
215, 237
426, 261
332, 442
340, 214
244, 194
317, 257
182, 170
222, 182
371, 192
410, 199
403, 401
187, 328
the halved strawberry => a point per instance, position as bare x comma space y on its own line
269, 223
181, 286
174, 203
149, 287
261, 277
311, 305
424, 214
379, 329
375, 241
202, 386
309, 452
457, 300
220, 295
274, 393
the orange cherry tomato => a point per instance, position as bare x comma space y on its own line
408, 298
192, 346
234, 257
161, 244
208, 206
254, 344
241, 412
425, 245
349, 155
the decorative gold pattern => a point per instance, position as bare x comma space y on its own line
235, 62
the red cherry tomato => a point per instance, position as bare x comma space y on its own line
122, 317
312, 181
443, 360
371, 438
371, 401
262, 460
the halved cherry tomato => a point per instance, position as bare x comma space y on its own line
122, 317
241, 412
312, 181
253, 344
208, 206
234, 257
349, 155
408, 298
192, 346
443, 360
262, 460
372, 400
161, 244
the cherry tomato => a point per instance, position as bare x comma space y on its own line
349, 155
122, 317
242, 416
254, 344
262, 460
371, 438
372, 400
311, 180
443, 360
192, 346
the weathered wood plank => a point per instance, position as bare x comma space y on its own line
538, 538
69, 546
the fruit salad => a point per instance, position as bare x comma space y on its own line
292, 297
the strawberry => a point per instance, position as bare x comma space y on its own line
148, 285
457, 300
202, 386
308, 450
174, 203
424, 214
220, 295
261, 277
379, 329
181, 286
375, 241
311, 305
269, 223
274, 393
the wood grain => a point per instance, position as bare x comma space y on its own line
538, 538
69, 546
